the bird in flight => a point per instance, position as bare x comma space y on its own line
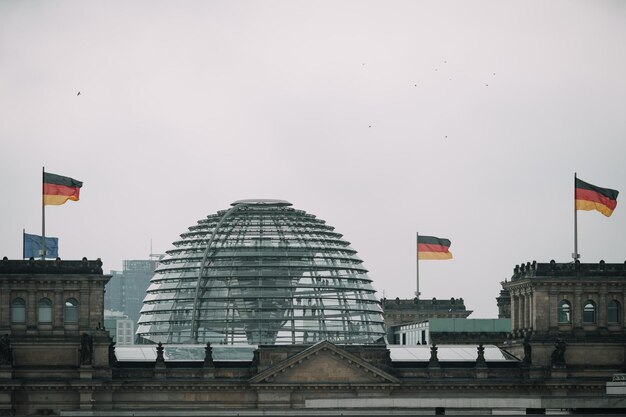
78, 93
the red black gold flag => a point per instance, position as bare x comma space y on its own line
591, 197
57, 189
429, 247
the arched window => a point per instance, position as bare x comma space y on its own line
614, 311
565, 312
44, 311
18, 310
589, 312
71, 311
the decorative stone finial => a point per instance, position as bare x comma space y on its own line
434, 360
480, 359
208, 355
160, 359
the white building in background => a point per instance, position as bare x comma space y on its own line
120, 327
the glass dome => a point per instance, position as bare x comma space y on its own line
261, 272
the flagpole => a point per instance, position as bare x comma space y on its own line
417, 265
43, 216
575, 255
23, 243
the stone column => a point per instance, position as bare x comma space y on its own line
602, 319
59, 308
514, 315
577, 308
531, 310
5, 305
519, 320
83, 306
553, 314
623, 309
31, 307
524, 312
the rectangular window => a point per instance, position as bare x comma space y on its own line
45, 315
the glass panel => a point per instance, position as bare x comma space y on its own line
565, 312
589, 312
18, 311
44, 311
460, 353
614, 312
71, 311
273, 275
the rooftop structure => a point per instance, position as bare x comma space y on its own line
567, 304
261, 272
57, 358
453, 331
399, 312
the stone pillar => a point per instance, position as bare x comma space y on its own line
553, 314
31, 307
532, 314
602, 319
522, 310
96, 304
83, 306
59, 309
5, 305
577, 309
623, 310
514, 311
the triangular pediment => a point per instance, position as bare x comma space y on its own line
324, 364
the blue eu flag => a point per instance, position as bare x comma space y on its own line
33, 245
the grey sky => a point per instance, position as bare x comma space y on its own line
462, 119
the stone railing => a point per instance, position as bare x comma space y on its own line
57, 266
554, 269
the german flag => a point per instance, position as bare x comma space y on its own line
591, 197
57, 189
429, 247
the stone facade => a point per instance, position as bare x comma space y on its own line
399, 312
580, 305
49, 364
504, 305
51, 315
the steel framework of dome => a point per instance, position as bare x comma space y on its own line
261, 272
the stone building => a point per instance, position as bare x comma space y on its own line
578, 305
447, 331
400, 312
51, 315
504, 304
56, 358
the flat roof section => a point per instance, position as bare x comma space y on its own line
448, 353
184, 353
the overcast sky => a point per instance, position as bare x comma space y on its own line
458, 119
